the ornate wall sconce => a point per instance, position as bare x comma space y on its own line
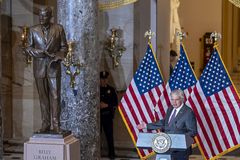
24, 37
114, 46
72, 65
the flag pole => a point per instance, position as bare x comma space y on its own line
149, 34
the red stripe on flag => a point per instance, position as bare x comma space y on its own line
158, 90
234, 113
235, 95
128, 121
152, 97
147, 107
231, 107
209, 122
218, 121
166, 96
157, 117
205, 112
138, 106
199, 119
161, 108
228, 123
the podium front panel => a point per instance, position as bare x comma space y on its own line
145, 140
163, 157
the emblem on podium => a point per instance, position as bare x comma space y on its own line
161, 143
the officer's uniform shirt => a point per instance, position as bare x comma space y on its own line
108, 95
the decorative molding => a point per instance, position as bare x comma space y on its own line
111, 4
235, 2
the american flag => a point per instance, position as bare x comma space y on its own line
138, 103
182, 78
215, 103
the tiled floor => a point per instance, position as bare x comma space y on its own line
14, 151
193, 157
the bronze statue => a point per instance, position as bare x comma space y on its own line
47, 45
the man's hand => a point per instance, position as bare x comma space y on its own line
142, 125
103, 105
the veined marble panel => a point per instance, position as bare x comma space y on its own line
121, 18
26, 117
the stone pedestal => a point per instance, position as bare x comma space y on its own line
41, 148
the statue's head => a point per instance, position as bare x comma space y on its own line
45, 15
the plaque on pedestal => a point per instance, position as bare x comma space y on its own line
52, 147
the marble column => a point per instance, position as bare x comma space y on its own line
1, 128
163, 36
80, 106
143, 21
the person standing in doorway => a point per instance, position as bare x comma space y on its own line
108, 104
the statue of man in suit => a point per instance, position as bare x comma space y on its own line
47, 45
179, 119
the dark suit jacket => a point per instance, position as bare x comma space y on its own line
184, 123
56, 46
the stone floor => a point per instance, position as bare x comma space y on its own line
16, 156
14, 151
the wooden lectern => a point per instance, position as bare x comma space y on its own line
178, 142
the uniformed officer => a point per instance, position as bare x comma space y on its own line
108, 104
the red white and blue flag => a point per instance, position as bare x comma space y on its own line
139, 102
182, 78
216, 105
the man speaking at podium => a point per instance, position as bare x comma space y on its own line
179, 119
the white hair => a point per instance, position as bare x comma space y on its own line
179, 93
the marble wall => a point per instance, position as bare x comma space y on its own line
25, 103
120, 18
120, 77
7, 76
134, 23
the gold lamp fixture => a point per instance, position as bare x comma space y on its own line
72, 65
24, 37
114, 46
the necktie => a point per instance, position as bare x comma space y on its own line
45, 34
173, 116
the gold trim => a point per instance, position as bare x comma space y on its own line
111, 5
235, 2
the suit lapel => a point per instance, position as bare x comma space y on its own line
40, 32
180, 113
168, 114
50, 35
